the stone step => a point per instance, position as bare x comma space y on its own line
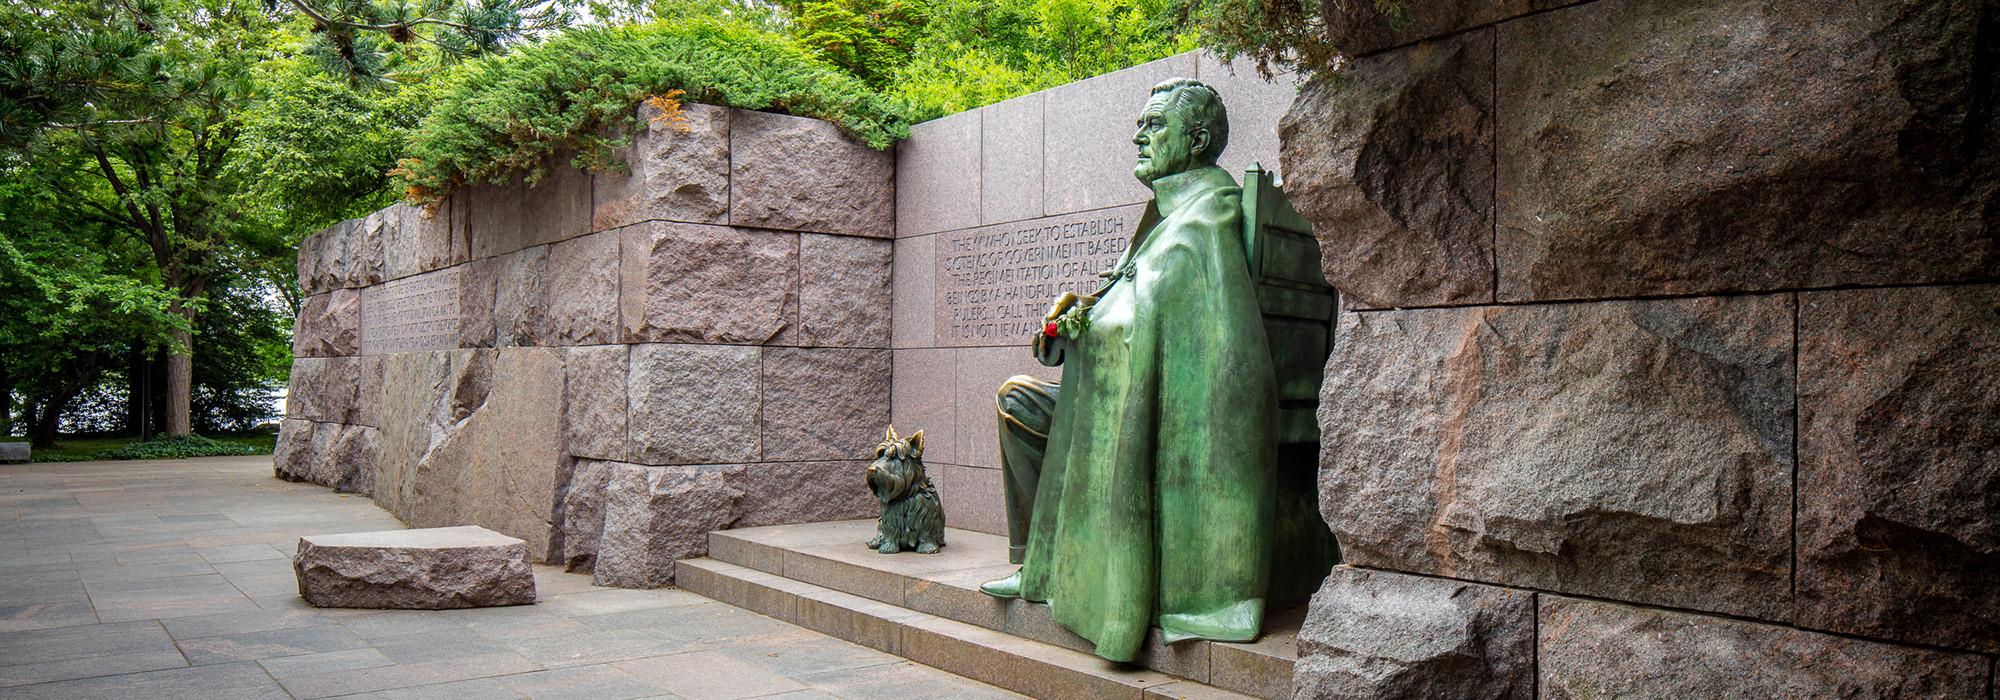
830, 555
1024, 666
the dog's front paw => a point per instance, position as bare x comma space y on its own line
888, 547
876, 541
927, 548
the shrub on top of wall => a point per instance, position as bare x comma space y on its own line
505, 116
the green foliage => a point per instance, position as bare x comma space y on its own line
181, 447
1276, 35
977, 52
872, 39
359, 40
507, 116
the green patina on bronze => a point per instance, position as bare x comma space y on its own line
1159, 482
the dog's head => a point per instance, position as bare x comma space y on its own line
898, 466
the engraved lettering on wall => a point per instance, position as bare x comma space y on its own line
995, 282
411, 314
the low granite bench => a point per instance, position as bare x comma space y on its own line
14, 452
426, 569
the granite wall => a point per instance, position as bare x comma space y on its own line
1673, 349
609, 366
1001, 209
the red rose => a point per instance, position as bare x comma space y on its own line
1049, 330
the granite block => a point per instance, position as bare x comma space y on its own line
710, 284
844, 291
1010, 160
521, 298
938, 175
1592, 649
1662, 149
594, 396
497, 224
583, 279
1392, 162
1637, 450
695, 404
912, 304
972, 496
557, 208
1899, 464
801, 174
478, 288
679, 171
824, 403
921, 398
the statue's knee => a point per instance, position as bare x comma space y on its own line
1016, 395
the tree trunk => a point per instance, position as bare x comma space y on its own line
180, 382
135, 389
42, 435
6, 403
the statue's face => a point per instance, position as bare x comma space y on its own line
1165, 146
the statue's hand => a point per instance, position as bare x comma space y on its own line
1049, 351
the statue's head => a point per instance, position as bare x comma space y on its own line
1182, 128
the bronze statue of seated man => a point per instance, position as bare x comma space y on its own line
1139, 489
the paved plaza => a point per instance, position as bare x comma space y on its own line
167, 579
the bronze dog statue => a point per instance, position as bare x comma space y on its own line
912, 516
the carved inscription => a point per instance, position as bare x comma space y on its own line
995, 282
411, 314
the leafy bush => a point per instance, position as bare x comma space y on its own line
179, 448
506, 116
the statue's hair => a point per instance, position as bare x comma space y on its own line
1198, 106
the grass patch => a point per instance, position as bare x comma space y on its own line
84, 449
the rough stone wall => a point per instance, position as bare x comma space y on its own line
1673, 349
609, 366
1001, 209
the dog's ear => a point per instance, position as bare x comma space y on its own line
917, 445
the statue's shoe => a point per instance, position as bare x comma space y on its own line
1009, 587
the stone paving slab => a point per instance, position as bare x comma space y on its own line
169, 579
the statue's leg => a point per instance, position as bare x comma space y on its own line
1026, 410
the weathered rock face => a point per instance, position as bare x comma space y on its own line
824, 403
656, 516
477, 288
843, 187
520, 298
427, 569
1603, 650
329, 325
694, 404
335, 389
675, 175
346, 254
803, 492
517, 451
708, 284
1392, 160
844, 291
582, 521
430, 400
1693, 147
561, 209
329, 454
1630, 450
1376, 634
1362, 28
1899, 464
594, 410
495, 219
417, 240
582, 291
